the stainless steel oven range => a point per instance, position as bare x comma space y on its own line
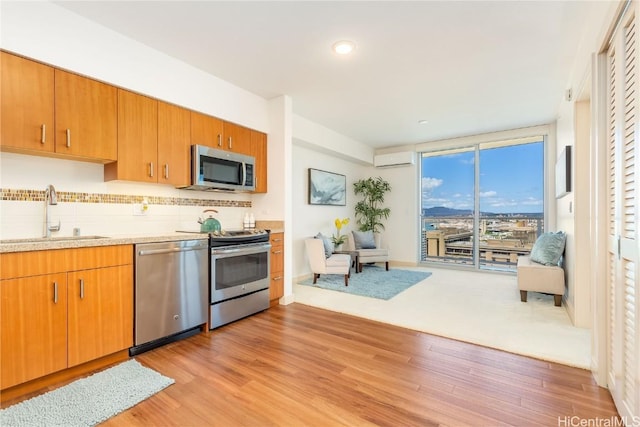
240, 275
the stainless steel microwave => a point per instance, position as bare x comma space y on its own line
219, 170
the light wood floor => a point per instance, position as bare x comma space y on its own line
298, 365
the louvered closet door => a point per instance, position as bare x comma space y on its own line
622, 207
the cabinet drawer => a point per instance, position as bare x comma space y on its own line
26, 264
97, 257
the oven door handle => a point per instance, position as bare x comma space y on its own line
241, 250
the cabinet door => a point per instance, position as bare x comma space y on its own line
86, 118
236, 138
27, 104
33, 331
137, 139
174, 144
259, 151
206, 130
276, 289
100, 312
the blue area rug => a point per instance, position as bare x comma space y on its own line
374, 282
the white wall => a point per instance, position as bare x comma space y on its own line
325, 140
402, 229
308, 219
574, 214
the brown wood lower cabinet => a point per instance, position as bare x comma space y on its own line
34, 327
100, 312
276, 289
81, 311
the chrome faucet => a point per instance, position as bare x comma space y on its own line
50, 199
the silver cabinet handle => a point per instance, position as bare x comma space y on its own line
276, 252
68, 138
166, 171
55, 292
230, 142
277, 278
277, 240
219, 140
151, 169
43, 133
81, 288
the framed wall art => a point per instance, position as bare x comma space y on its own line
563, 173
327, 188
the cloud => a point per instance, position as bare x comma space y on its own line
468, 161
532, 201
488, 193
504, 203
428, 184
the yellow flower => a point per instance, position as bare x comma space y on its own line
338, 239
339, 223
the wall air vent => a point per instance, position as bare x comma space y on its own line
403, 158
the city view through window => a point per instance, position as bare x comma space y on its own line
504, 213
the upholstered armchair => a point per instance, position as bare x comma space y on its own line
369, 247
541, 270
321, 264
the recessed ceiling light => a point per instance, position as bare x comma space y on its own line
423, 122
344, 47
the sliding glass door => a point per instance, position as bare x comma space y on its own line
482, 206
448, 206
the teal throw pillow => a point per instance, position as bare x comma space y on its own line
328, 245
364, 240
548, 248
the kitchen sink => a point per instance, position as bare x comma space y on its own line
51, 239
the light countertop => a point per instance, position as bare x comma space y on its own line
40, 244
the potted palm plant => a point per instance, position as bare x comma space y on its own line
369, 210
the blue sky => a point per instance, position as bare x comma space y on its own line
511, 179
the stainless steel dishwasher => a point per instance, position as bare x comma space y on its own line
171, 292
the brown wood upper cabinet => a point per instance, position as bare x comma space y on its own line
86, 118
259, 151
174, 143
27, 100
53, 112
153, 141
206, 130
215, 133
137, 139
236, 138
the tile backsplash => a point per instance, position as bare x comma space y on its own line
96, 207
72, 197
22, 213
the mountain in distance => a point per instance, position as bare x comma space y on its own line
444, 211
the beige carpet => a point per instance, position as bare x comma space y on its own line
480, 308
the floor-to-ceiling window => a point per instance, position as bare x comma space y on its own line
482, 205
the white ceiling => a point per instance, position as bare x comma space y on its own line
467, 67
